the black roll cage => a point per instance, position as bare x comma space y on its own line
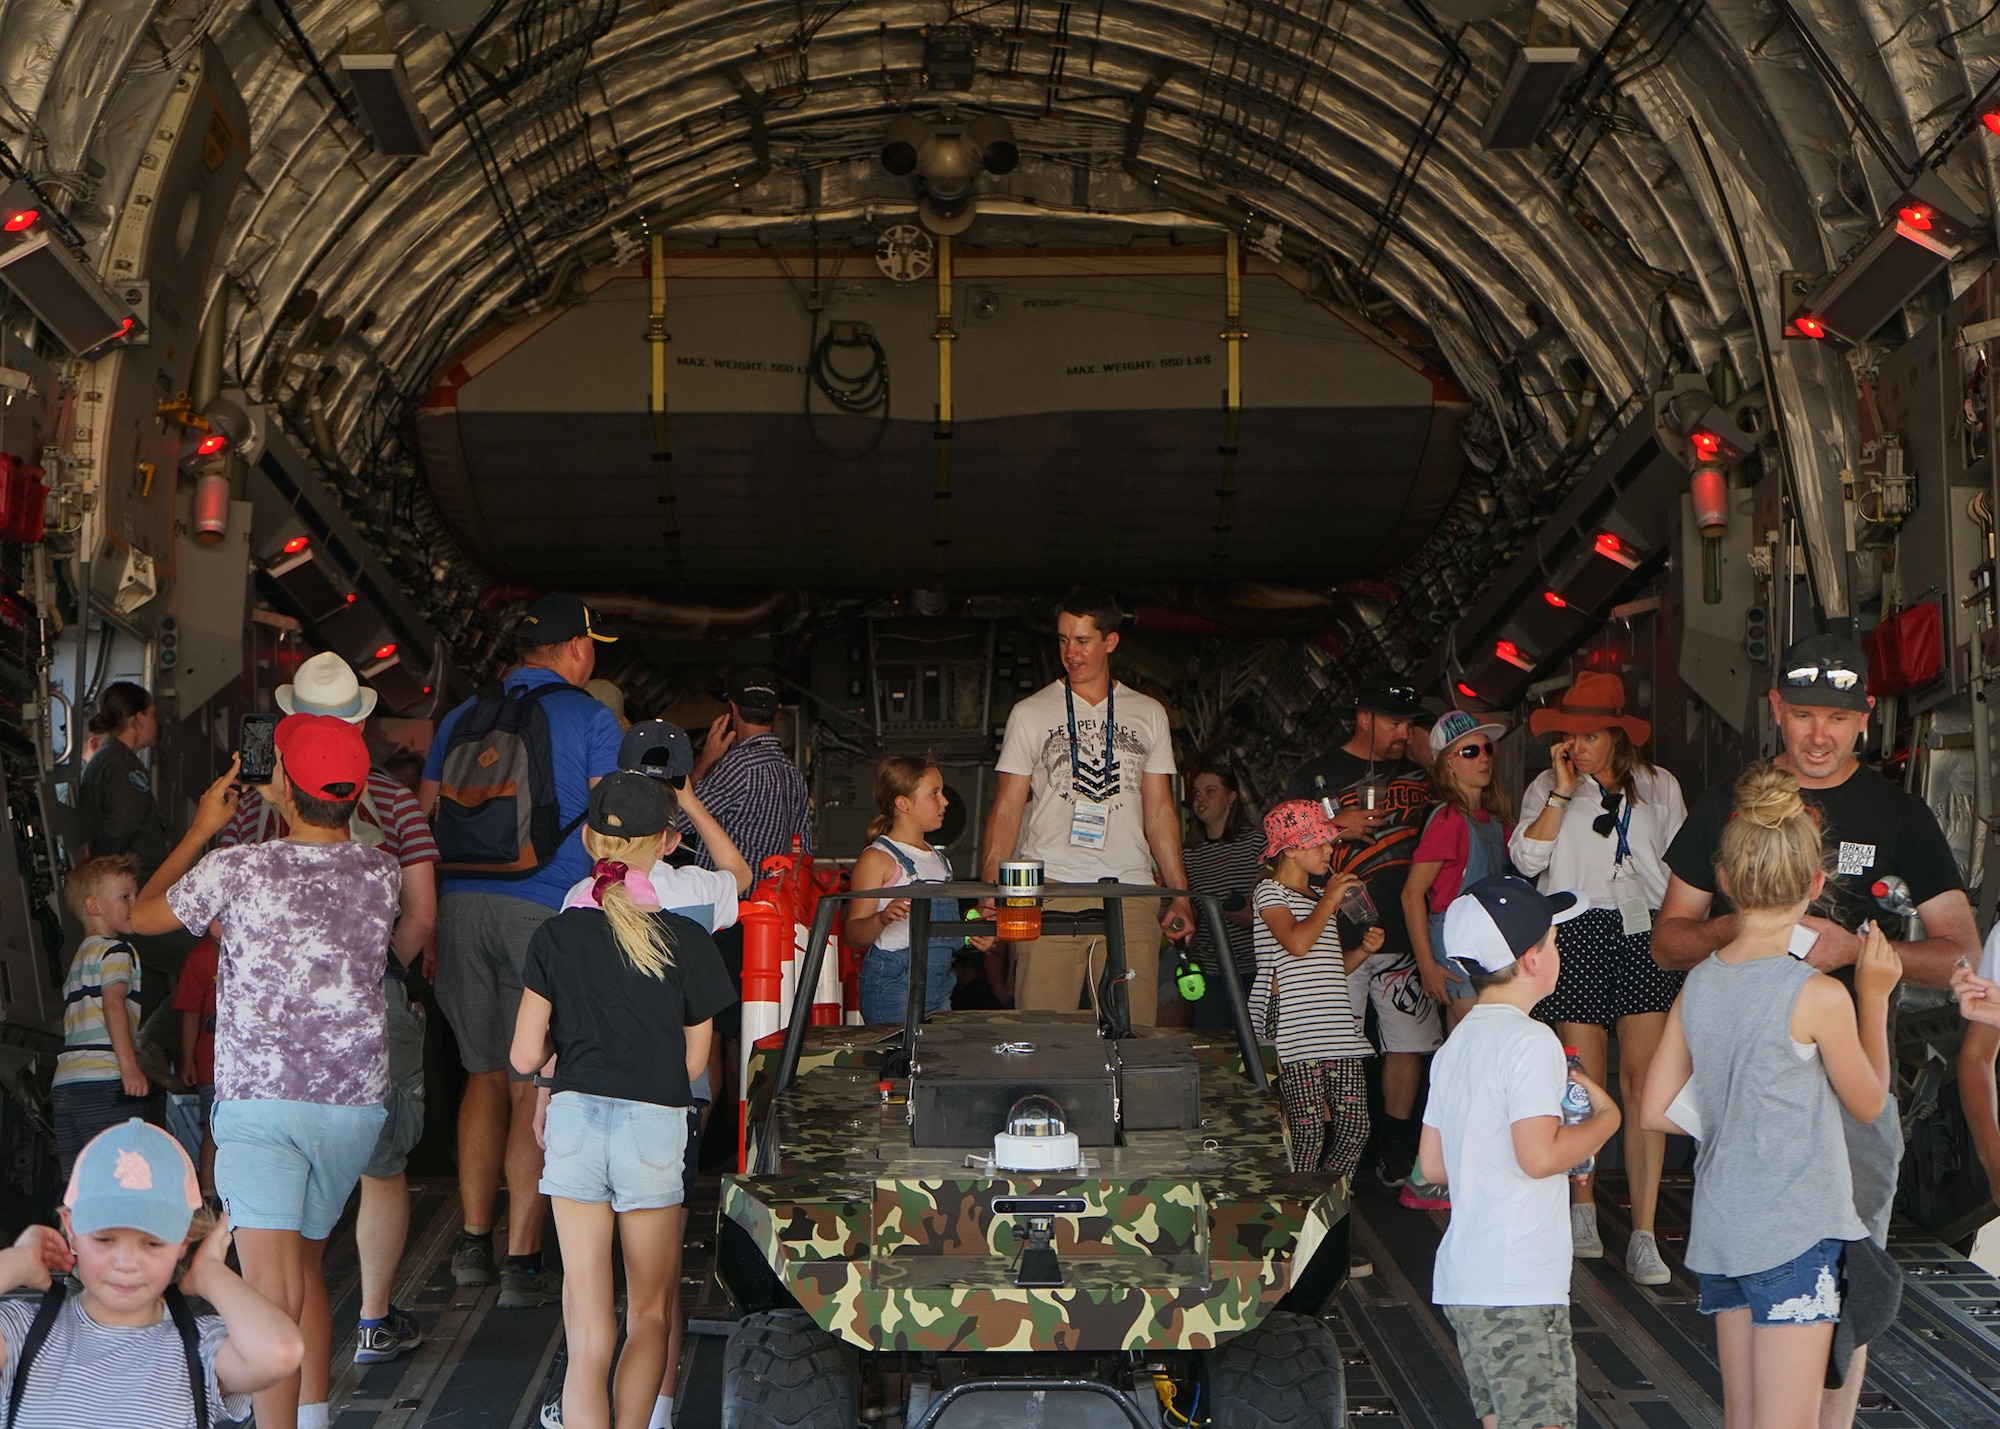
1114, 1016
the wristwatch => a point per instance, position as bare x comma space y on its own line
539, 1081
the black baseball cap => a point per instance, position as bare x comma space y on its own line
754, 689
1497, 919
556, 618
658, 750
630, 806
1826, 671
1396, 701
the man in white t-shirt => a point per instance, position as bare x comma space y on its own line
1494, 1133
1085, 775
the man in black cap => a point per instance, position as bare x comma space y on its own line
484, 923
1877, 836
1377, 797
747, 780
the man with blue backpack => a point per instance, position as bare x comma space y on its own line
506, 785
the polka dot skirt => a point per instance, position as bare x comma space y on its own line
1605, 974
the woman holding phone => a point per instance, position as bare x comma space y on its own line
1597, 822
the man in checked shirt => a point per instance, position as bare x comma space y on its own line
747, 781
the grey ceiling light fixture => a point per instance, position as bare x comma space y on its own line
945, 160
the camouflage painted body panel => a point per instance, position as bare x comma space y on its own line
1184, 1239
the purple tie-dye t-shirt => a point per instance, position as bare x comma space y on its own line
298, 1001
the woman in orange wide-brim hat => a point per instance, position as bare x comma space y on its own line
1598, 822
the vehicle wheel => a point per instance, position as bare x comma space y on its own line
781, 1371
1285, 1374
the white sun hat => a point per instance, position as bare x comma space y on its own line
326, 685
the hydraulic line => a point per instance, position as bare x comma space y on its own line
657, 339
944, 337
1232, 392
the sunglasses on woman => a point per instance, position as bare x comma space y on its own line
1474, 751
1605, 822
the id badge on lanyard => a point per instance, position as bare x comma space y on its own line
1089, 822
1631, 896
1090, 819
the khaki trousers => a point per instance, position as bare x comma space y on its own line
1049, 972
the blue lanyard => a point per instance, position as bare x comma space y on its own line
1624, 824
1108, 777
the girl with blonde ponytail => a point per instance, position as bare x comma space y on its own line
618, 998
1760, 1056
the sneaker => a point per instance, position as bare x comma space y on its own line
472, 1259
1643, 1262
1359, 1266
551, 1415
1388, 1178
552, 1388
396, 1335
526, 1289
1421, 1195
1585, 1242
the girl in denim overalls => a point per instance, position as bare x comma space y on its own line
910, 804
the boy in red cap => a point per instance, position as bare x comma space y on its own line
301, 1058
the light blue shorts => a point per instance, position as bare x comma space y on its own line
290, 1166
600, 1149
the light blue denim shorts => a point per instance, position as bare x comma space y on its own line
290, 1166
600, 1149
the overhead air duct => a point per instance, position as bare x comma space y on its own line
381, 89
1528, 96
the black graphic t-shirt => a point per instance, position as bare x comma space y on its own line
1871, 827
1385, 861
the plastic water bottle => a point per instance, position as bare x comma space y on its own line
1576, 1108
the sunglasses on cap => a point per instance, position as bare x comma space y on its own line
1833, 676
1474, 751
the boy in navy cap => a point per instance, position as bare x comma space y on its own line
1493, 1132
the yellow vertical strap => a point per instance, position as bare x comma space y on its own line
944, 337
1232, 395
657, 339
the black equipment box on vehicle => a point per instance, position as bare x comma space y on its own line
966, 1078
1159, 1083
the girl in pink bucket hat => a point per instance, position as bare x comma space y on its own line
1300, 1000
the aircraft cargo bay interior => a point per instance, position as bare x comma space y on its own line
951, 713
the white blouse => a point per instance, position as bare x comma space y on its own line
1579, 858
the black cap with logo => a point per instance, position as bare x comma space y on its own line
556, 618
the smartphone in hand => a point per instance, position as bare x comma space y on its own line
256, 741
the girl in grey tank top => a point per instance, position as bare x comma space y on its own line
1760, 1056
1771, 1176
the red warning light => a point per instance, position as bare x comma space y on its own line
125, 327
1510, 652
1467, 691
1555, 600
427, 689
295, 545
1916, 215
383, 652
211, 444
1806, 325
1991, 121
22, 221
1706, 444
350, 597
1613, 549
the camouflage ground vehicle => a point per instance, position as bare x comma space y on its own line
887, 1274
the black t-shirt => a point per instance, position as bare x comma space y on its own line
118, 810
617, 1030
1384, 862
1872, 829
